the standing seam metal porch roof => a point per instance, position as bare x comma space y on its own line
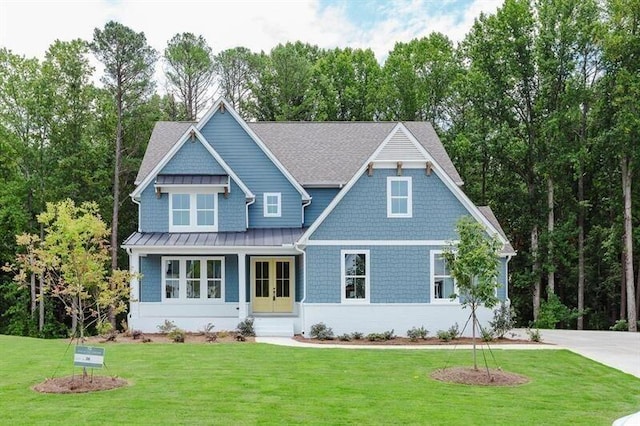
261, 237
324, 153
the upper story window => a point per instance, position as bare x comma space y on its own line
193, 212
355, 276
272, 204
196, 279
443, 286
399, 197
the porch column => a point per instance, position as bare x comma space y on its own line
242, 286
134, 295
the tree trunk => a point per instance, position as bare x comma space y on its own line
551, 285
580, 250
41, 305
623, 288
32, 286
535, 269
116, 198
473, 336
626, 169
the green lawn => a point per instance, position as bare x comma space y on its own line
261, 384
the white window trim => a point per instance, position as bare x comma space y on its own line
367, 280
182, 295
409, 212
193, 211
265, 197
432, 285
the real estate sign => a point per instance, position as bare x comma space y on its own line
88, 356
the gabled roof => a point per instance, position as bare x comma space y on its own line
486, 211
315, 153
330, 153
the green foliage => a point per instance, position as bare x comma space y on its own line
167, 327
417, 333
451, 334
245, 327
553, 312
344, 337
504, 319
356, 335
534, 335
320, 331
178, 335
487, 335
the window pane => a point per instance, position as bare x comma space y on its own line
180, 201
447, 287
172, 288
399, 188
355, 264
360, 288
399, 206
272, 200
205, 218
350, 288
204, 201
181, 218
272, 209
193, 269
172, 269
193, 289
214, 288
214, 269
439, 266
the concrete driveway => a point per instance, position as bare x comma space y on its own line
617, 349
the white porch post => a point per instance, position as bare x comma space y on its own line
242, 286
134, 296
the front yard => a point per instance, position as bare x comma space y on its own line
249, 383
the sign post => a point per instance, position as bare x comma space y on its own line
88, 356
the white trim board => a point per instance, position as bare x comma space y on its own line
381, 242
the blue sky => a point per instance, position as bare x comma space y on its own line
28, 27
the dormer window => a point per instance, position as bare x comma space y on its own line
399, 197
193, 211
272, 204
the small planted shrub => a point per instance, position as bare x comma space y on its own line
504, 319
321, 332
620, 325
388, 335
177, 335
245, 328
222, 334
534, 335
444, 335
167, 327
344, 337
486, 334
375, 337
356, 335
417, 333
454, 331
209, 334
136, 334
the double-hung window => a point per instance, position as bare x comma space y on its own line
198, 279
272, 204
355, 276
443, 286
399, 197
193, 212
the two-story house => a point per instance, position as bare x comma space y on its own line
296, 223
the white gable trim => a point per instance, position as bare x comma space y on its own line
174, 150
228, 108
455, 189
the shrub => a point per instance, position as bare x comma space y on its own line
209, 334
417, 333
136, 334
534, 335
454, 331
486, 334
553, 311
167, 327
388, 335
444, 335
504, 319
321, 332
177, 335
245, 327
356, 335
375, 337
222, 334
344, 337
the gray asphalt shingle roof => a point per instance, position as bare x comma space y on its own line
313, 152
488, 213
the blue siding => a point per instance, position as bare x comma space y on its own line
193, 158
151, 282
255, 169
154, 212
399, 274
232, 211
231, 278
502, 279
362, 213
320, 199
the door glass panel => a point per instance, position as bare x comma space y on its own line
262, 279
214, 279
193, 279
282, 279
172, 279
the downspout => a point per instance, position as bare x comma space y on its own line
253, 200
304, 283
506, 279
139, 214
304, 204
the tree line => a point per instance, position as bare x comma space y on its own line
537, 106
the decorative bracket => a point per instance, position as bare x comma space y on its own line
370, 169
429, 168
399, 168
158, 192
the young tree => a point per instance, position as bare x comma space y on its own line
128, 61
189, 71
72, 258
473, 263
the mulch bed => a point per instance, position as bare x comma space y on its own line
79, 384
227, 337
469, 376
405, 341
